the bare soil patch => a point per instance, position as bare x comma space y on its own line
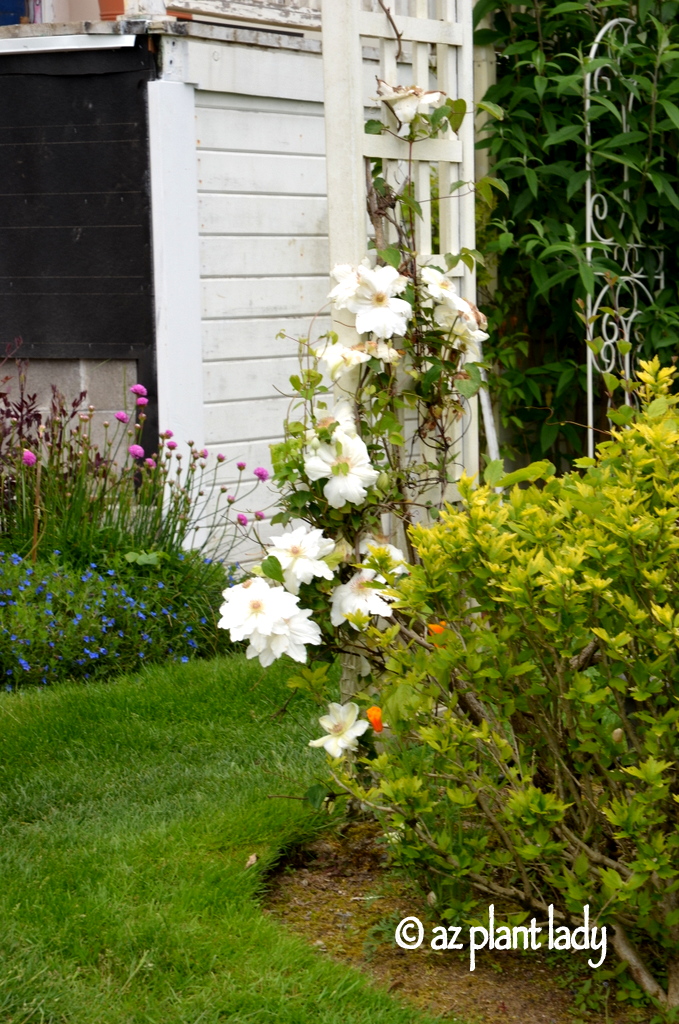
339, 894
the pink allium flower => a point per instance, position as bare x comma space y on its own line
240, 466
231, 498
261, 473
168, 433
136, 451
139, 389
150, 463
171, 445
221, 458
204, 453
28, 458
122, 417
142, 401
259, 516
242, 520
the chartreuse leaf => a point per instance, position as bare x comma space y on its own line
536, 471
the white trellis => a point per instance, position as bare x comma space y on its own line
632, 288
427, 43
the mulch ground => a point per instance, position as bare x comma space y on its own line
340, 895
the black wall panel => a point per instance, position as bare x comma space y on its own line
75, 223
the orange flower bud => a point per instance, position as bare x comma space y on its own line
436, 627
374, 716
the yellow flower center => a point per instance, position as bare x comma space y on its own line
255, 606
337, 729
294, 550
380, 299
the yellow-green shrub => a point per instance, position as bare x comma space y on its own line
535, 747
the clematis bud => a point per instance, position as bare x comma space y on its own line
617, 735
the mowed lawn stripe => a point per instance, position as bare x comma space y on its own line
127, 814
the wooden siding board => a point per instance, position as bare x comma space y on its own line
262, 215
254, 173
247, 421
267, 296
251, 378
228, 339
259, 131
238, 256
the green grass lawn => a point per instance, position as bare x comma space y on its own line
128, 812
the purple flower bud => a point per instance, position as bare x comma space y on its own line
28, 458
261, 473
204, 453
136, 451
171, 445
259, 516
242, 520
221, 458
240, 466
150, 463
142, 401
168, 434
139, 389
231, 498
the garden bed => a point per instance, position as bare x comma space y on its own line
338, 892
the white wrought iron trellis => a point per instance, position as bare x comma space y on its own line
632, 288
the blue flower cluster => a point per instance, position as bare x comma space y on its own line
58, 623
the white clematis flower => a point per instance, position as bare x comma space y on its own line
298, 632
346, 465
405, 100
341, 414
347, 284
270, 618
377, 311
355, 596
381, 350
439, 285
339, 359
342, 728
301, 555
255, 606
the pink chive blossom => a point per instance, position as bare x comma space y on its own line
136, 451
259, 516
242, 520
240, 466
261, 473
171, 445
28, 458
204, 453
168, 434
221, 458
139, 389
122, 417
150, 463
142, 401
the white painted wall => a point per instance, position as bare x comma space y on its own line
263, 259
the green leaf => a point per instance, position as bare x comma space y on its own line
565, 134
548, 435
532, 179
494, 472
391, 255
672, 112
575, 183
317, 795
272, 568
491, 108
373, 127
611, 382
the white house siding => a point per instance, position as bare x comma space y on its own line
264, 261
